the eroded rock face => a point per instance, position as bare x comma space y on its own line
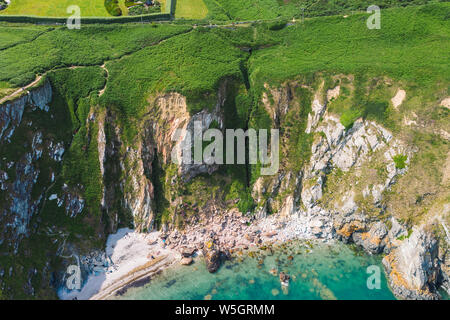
174, 120
16, 216
11, 112
72, 202
413, 267
341, 212
21, 171
138, 190
282, 98
132, 163
372, 241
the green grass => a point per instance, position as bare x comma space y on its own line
190, 9
274, 9
56, 8
411, 45
14, 35
192, 64
91, 45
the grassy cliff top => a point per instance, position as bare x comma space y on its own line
412, 45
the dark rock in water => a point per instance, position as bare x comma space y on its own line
136, 284
214, 256
226, 255
212, 259
284, 278
170, 283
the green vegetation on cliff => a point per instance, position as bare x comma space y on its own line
91, 45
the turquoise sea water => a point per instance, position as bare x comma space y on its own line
325, 271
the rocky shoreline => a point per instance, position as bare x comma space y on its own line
413, 265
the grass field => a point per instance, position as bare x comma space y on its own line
58, 8
191, 9
272, 9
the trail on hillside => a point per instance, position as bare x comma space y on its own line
21, 90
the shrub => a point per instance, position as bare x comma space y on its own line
278, 25
400, 161
112, 6
376, 111
348, 117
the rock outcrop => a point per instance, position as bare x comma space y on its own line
20, 172
373, 241
318, 206
413, 267
212, 259
11, 112
174, 121
212, 255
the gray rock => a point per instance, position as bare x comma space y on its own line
413, 267
397, 230
372, 241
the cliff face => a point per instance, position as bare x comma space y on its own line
336, 181
20, 171
342, 189
172, 114
414, 267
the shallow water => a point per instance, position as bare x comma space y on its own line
325, 271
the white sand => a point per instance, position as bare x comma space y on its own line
128, 250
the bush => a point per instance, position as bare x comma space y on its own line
112, 6
400, 161
376, 111
349, 117
278, 25
3, 4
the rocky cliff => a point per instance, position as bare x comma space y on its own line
69, 188
20, 171
342, 189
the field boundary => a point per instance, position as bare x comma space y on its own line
88, 20
170, 7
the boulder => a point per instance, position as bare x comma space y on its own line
212, 259
345, 227
187, 252
185, 261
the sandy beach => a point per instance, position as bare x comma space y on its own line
131, 255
